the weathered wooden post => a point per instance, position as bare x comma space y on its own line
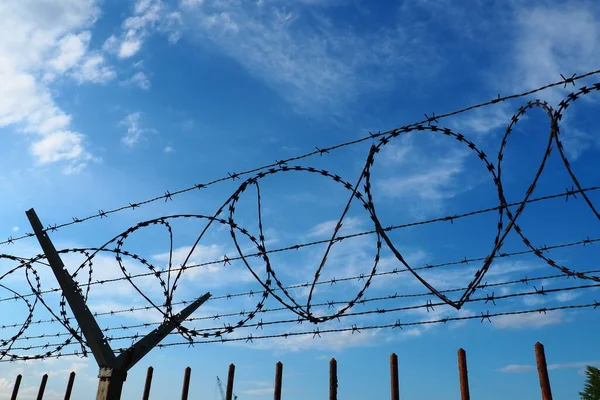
540, 360
113, 369
40, 395
230, 374
146, 394
463, 374
186, 383
395, 387
333, 381
70, 385
15, 391
278, 378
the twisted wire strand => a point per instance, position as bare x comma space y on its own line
360, 192
168, 195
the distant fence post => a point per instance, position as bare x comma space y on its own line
186, 383
278, 378
40, 394
70, 386
463, 374
148, 383
395, 387
333, 381
15, 391
540, 359
230, 374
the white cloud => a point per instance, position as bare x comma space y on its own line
319, 66
482, 120
518, 368
134, 130
423, 175
326, 229
169, 149
94, 69
39, 41
532, 320
546, 46
140, 80
212, 275
62, 146
15, 229
148, 16
71, 49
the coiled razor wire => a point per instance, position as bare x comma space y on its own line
360, 192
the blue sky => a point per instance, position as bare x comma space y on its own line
106, 103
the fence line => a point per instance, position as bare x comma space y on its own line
540, 358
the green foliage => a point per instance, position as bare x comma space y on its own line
591, 390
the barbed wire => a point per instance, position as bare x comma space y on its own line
329, 304
268, 280
316, 333
168, 195
229, 258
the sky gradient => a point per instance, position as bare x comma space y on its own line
105, 103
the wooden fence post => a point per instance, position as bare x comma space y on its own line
70, 386
278, 378
333, 381
148, 383
463, 374
40, 395
186, 384
395, 387
15, 391
230, 374
540, 359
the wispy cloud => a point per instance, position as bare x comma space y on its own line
528, 321
140, 80
300, 51
520, 368
148, 16
135, 131
547, 46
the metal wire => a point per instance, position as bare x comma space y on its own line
272, 286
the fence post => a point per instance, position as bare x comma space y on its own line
15, 391
395, 389
70, 386
333, 381
540, 359
186, 383
148, 383
229, 392
40, 394
278, 378
463, 374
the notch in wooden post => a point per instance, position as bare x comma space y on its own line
395, 387
540, 360
463, 374
333, 381
278, 378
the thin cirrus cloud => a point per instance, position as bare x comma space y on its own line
315, 68
520, 368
